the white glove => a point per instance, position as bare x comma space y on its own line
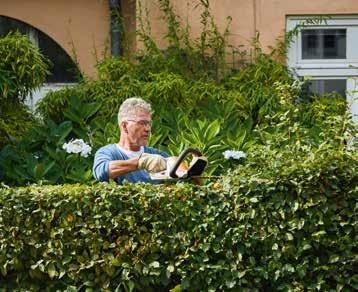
152, 162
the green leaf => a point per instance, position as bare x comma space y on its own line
64, 129
254, 200
154, 264
89, 109
333, 259
319, 233
289, 236
74, 117
212, 130
51, 270
177, 288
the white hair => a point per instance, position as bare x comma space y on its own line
131, 106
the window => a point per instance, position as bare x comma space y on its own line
324, 43
328, 54
322, 86
62, 72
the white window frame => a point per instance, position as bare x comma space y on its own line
329, 68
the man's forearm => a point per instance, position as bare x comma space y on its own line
121, 167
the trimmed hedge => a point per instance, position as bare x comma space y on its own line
279, 226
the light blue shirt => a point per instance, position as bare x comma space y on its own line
111, 152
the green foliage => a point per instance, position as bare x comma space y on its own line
255, 88
283, 221
39, 155
204, 57
197, 103
15, 120
22, 67
81, 114
242, 111
320, 109
166, 88
55, 102
292, 128
114, 69
212, 134
115, 84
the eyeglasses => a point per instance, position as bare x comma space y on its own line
142, 123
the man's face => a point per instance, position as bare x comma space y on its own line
138, 128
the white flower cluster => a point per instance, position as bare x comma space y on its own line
234, 154
77, 146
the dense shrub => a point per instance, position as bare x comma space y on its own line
15, 120
39, 153
55, 102
114, 69
22, 69
317, 111
277, 223
192, 109
188, 113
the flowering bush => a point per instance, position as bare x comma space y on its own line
77, 146
234, 154
42, 155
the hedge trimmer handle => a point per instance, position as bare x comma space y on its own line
196, 169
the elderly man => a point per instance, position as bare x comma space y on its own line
130, 159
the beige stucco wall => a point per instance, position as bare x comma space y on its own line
82, 25
271, 14
265, 16
241, 11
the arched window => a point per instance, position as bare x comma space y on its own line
64, 70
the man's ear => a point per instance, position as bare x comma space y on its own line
124, 126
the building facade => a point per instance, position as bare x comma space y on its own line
82, 31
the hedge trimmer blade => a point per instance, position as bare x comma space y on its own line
195, 169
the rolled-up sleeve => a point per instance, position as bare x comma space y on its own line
101, 165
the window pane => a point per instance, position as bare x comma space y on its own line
324, 86
324, 43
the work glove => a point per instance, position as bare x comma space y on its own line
152, 162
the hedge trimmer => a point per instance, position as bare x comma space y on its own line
177, 169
